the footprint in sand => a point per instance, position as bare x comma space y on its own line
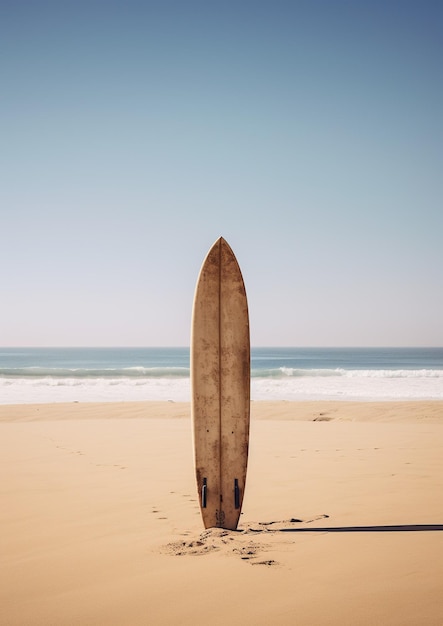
155, 511
230, 543
189, 548
238, 543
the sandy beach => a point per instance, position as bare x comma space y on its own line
342, 521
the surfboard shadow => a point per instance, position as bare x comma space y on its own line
400, 528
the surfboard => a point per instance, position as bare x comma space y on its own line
220, 383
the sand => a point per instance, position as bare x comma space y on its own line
342, 521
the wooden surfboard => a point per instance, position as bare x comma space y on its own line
220, 381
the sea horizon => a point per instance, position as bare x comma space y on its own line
187, 346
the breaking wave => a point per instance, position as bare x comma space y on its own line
126, 372
184, 372
283, 372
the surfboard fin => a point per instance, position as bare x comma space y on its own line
204, 492
236, 494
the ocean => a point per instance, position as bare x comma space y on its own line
40, 375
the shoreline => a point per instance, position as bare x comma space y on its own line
287, 410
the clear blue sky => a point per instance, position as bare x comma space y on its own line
307, 133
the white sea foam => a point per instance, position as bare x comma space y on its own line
49, 389
334, 385
352, 387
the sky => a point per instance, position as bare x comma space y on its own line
307, 133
